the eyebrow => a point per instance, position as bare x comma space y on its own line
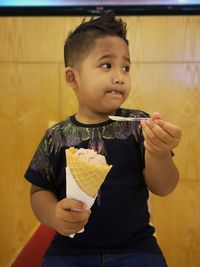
110, 56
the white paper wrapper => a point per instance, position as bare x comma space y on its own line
74, 191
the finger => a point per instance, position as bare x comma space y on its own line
149, 146
73, 204
156, 116
76, 217
156, 134
74, 226
152, 147
171, 129
162, 134
68, 228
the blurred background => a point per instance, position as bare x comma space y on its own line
165, 53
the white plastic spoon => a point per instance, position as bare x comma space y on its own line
119, 118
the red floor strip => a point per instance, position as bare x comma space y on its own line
32, 253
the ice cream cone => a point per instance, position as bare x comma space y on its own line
88, 176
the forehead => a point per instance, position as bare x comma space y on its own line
110, 45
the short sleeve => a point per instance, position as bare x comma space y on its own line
40, 171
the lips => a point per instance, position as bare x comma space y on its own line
114, 92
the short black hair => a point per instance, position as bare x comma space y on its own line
81, 40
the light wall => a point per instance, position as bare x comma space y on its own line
165, 77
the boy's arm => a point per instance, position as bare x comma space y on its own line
160, 137
161, 174
58, 214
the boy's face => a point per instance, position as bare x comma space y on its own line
103, 78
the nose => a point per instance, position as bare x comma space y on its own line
118, 78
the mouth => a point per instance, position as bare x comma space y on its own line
115, 93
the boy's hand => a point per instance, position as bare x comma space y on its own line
160, 136
70, 216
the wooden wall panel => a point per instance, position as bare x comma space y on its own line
29, 98
34, 39
164, 38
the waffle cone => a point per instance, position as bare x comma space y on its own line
88, 176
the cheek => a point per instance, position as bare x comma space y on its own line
90, 91
128, 85
128, 81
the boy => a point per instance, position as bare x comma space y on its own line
117, 230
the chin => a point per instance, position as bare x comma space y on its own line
112, 109
115, 105
109, 107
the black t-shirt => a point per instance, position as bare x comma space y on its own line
119, 221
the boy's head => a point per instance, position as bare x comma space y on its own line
97, 64
82, 39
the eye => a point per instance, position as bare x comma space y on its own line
126, 68
106, 66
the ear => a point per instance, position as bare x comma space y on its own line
71, 77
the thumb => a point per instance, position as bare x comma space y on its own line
156, 116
